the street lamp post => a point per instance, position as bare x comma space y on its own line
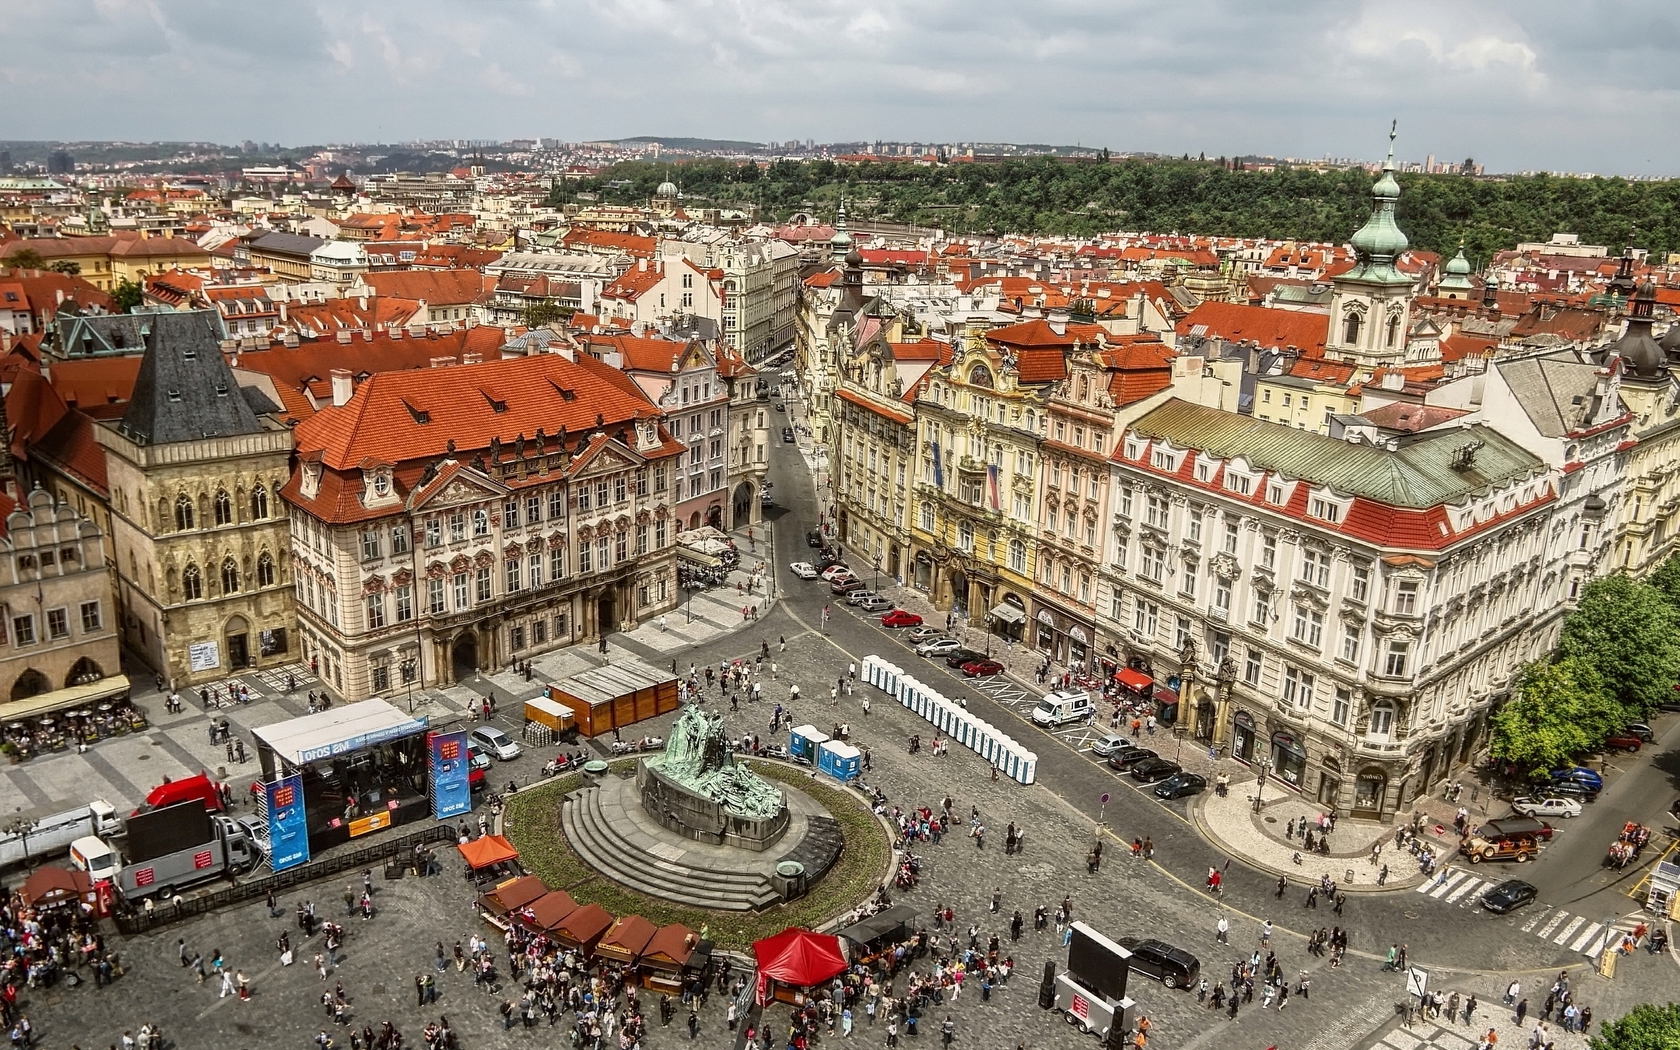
21, 826
988, 636
1260, 786
408, 668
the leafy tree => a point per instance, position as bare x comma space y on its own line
66, 266
1667, 580
26, 259
1627, 631
1549, 720
1647, 1027
127, 295
545, 311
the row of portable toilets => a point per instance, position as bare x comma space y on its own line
951, 718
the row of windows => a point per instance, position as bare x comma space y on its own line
24, 632
221, 508
192, 580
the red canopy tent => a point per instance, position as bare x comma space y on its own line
797, 957
487, 850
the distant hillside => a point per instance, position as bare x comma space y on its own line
678, 142
1045, 196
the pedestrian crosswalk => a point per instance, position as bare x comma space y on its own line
1457, 886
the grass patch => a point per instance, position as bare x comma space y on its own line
532, 824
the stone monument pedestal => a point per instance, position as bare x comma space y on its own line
698, 817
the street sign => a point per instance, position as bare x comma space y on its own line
1417, 982
1105, 798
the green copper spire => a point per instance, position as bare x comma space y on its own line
1458, 272
1379, 242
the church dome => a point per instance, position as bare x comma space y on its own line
1380, 242
666, 189
1458, 265
1643, 356
1670, 341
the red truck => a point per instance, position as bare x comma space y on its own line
170, 792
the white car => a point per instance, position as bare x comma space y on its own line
835, 570
804, 570
257, 829
1547, 807
938, 647
477, 757
496, 742
1109, 743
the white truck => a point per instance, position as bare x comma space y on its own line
96, 857
55, 828
225, 849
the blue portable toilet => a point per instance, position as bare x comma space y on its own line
839, 760
804, 741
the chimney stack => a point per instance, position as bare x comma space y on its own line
342, 386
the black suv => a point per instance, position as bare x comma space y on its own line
963, 656
1173, 967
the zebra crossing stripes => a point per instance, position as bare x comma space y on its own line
1587, 937
1577, 933
1534, 920
1574, 924
1546, 930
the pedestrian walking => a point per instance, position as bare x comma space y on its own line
1266, 934
1522, 1011
1283, 884
1222, 931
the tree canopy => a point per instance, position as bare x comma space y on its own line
1042, 195
128, 295
1646, 1027
1558, 711
1627, 631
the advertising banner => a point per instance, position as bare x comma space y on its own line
451, 793
288, 826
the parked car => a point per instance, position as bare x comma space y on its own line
938, 647
876, 603
1515, 827
901, 618
1566, 789
778, 406
1180, 785
1109, 743
981, 668
496, 742
256, 829
765, 499
1640, 730
477, 758
787, 435
813, 538
859, 597
804, 570
959, 656
833, 569
1508, 895
924, 633
1173, 967
1554, 806
845, 584
1121, 761
1152, 769
1581, 774
1623, 742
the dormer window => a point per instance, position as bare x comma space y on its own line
381, 484
1241, 484
1274, 492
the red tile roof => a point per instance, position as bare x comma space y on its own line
590, 239
436, 287
895, 414
468, 406
1272, 329
88, 383
935, 350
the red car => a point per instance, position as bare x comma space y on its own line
1623, 742
982, 668
900, 618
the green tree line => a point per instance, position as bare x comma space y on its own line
1617, 658
1044, 196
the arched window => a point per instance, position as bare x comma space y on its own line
259, 503
183, 512
965, 536
1350, 328
230, 576
224, 508
1017, 555
192, 585
265, 570
1393, 330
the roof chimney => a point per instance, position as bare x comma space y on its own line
342, 385
641, 265
1058, 319
344, 335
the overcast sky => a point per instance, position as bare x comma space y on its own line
1577, 85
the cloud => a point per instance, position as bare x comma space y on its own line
1542, 84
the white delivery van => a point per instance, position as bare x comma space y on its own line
1063, 706
92, 855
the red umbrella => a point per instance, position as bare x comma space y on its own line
797, 957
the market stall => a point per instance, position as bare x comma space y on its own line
498, 905
673, 951
795, 960
490, 857
547, 911
52, 887
583, 928
621, 694
879, 933
626, 939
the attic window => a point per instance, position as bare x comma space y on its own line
175, 395
187, 353
419, 415
497, 406
221, 390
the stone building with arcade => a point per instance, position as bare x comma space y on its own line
447, 522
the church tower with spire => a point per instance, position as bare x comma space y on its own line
1371, 304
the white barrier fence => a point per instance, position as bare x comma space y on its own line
951, 718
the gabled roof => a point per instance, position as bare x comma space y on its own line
436, 287
184, 390
1557, 392
1272, 329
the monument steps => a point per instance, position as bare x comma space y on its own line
820, 847
589, 831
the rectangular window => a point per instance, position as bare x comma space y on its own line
513, 575
1308, 627
1230, 537
1155, 511
1268, 551
482, 584
1361, 582
510, 514
58, 623
1405, 598
535, 564
405, 604
659, 479
1395, 661
434, 596
434, 532
539, 632
621, 489
641, 540
1350, 642
1195, 526
1125, 501
381, 677
556, 563
1222, 598
375, 611
583, 497
481, 522
1154, 562
1325, 510
585, 559
1315, 567
1148, 614
659, 534
457, 526
926, 511
1263, 610
370, 545
557, 505
461, 593
602, 551
600, 495
533, 509
1252, 665
1238, 483
1341, 706
1219, 647
399, 539
621, 545
1181, 633
90, 617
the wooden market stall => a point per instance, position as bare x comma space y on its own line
668, 955
498, 905
583, 928
626, 940
548, 911
602, 699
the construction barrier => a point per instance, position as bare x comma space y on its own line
952, 718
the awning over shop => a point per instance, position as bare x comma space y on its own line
799, 958
487, 850
1136, 681
59, 699
1007, 613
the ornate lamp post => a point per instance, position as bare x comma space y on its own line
21, 826
408, 667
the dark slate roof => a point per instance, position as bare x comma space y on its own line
185, 390
287, 243
96, 335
